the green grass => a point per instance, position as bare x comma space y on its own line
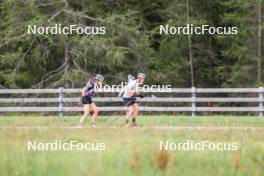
131, 151
143, 121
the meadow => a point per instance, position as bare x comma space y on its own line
131, 151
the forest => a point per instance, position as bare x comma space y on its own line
131, 43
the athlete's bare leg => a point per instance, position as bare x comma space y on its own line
135, 113
93, 108
86, 108
129, 113
136, 110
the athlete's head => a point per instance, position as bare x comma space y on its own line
141, 78
98, 79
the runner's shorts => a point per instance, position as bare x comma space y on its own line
87, 100
129, 101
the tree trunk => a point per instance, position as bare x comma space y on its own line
190, 46
66, 52
66, 62
259, 44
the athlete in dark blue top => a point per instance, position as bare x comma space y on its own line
87, 94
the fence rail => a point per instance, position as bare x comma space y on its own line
189, 95
173, 90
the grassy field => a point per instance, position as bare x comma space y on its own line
130, 151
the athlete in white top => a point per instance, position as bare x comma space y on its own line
129, 98
130, 89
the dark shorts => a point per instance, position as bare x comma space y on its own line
129, 101
87, 100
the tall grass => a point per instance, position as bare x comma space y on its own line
130, 151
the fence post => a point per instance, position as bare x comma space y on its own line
261, 101
61, 102
193, 101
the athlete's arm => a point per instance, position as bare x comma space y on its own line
83, 91
138, 94
88, 82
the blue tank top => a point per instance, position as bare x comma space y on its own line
89, 91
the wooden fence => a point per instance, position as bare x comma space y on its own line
193, 96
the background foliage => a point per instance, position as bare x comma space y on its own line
132, 43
